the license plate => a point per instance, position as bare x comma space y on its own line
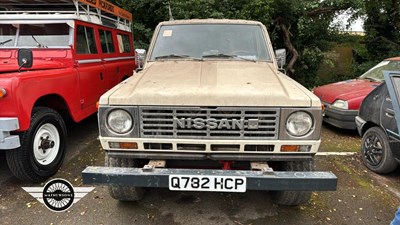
207, 183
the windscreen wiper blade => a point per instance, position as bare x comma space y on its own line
5, 42
219, 55
172, 56
372, 79
40, 45
223, 55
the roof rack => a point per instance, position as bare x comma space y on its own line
95, 11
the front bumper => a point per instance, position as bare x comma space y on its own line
256, 180
341, 118
8, 141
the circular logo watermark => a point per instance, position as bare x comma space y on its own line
58, 195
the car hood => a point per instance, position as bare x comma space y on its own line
11, 65
345, 90
210, 83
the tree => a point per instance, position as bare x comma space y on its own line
382, 28
302, 27
308, 23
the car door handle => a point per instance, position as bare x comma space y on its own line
389, 113
101, 76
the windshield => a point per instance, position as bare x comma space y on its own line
238, 42
34, 35
376, 72
7, 35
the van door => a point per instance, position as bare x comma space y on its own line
89, 65
112, 75
127, 52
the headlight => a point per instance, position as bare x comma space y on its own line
341, 104
119, 121
299, 123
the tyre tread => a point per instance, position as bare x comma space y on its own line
294, 198
18, 159
122, 192
389, 163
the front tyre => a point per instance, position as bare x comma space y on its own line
376, 153
122, 192
42, 148
293, 198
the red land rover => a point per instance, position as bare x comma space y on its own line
56, 59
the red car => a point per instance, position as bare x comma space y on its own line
342, 99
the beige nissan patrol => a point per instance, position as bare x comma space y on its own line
211, 111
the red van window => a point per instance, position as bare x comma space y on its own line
124, 44
106, 40
85, 41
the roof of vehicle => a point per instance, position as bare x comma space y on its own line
94, 11
210, 21
394, 58
103, 5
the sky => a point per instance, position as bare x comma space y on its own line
342, 20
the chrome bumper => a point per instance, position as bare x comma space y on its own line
8, 141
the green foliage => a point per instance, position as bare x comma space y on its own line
382, 28
311, 59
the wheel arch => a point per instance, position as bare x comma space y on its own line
55, 102
125, 77
367, 126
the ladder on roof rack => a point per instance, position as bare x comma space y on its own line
102, 9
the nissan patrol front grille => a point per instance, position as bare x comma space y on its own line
209, 122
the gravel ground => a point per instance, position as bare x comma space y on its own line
362, 197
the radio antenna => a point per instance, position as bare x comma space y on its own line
171, 18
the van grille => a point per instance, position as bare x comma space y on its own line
209, 123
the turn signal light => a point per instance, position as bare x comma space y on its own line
290, 148
3, 92
128, 145
123, 145
295, 148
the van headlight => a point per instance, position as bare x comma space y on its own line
299, 123
119, 121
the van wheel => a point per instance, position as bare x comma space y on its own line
376, 153
293, 198
42, 148
122, 192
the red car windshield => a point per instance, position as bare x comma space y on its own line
376, 72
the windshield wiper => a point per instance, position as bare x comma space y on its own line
39, 45
371, 79
5, 42
222, 55
172, 56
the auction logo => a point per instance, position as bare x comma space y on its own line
58, 194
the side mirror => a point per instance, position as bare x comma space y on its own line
25, 58
280, 55
140, 56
